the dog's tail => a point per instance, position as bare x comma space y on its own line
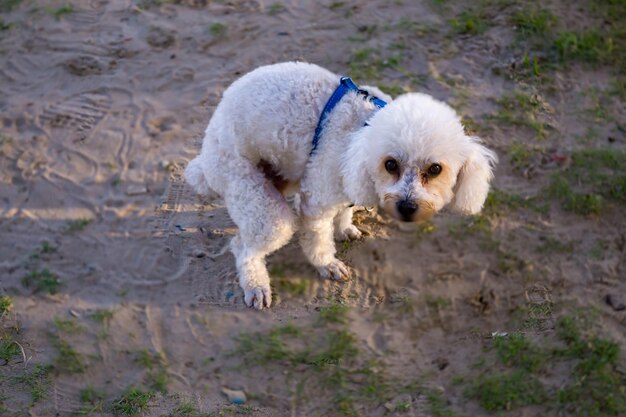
195, 177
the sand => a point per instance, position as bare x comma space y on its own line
103, 107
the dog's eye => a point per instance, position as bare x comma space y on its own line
434, 170
391, 165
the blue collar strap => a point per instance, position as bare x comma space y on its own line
345, 85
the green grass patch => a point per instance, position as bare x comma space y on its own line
132, 402
43, 280
367, 65
102, 315
596, 386
218, 29
6, 305
37, 380
470, 226
78, 225
470, 22
62, 11
599, 172
535, 22
329, 362
8, 5
67, 359
438, 405
553, 245
506, 391
591, 46
295, 287
69, 326
92, 401
521, 109
185, 409
158, 380
334, 313
276, 8
149, 360
516, 350
8, 348
265, 348
521, 156
437, 303
579, 203
497, 201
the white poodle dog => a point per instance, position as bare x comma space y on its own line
411, 157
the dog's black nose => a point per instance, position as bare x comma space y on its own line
407, 209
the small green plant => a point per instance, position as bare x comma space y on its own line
591, 46
296, 287
521, 156
4, 26
438, 406
521, 109
78, 225
103, 317
185, 409
70, 326
579, 203
67, 359
594, 387
43, 280
8, 5
92, 400
275, 8
596, 170
516, 350
37, 380
552, 245
508, 390
533, 22
218, 29
6, 305
437, 303
470, 22
149, 360
62, 11
497, 200
335, 313
8, 348
132, 402
265, 348
158, 380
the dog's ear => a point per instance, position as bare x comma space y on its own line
472, 184
357, 182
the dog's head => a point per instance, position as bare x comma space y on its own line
414, 158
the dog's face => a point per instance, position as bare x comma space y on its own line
414, 158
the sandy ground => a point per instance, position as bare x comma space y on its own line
103, 106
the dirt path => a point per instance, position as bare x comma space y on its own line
117, 273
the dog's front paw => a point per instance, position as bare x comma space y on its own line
349, 233
258, 296
335, 270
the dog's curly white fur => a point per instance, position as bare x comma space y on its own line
256, 148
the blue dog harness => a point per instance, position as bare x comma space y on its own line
345, 85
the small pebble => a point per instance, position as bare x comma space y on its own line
235, 396
136, 190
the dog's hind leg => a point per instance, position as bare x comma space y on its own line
266, 223
344, 229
